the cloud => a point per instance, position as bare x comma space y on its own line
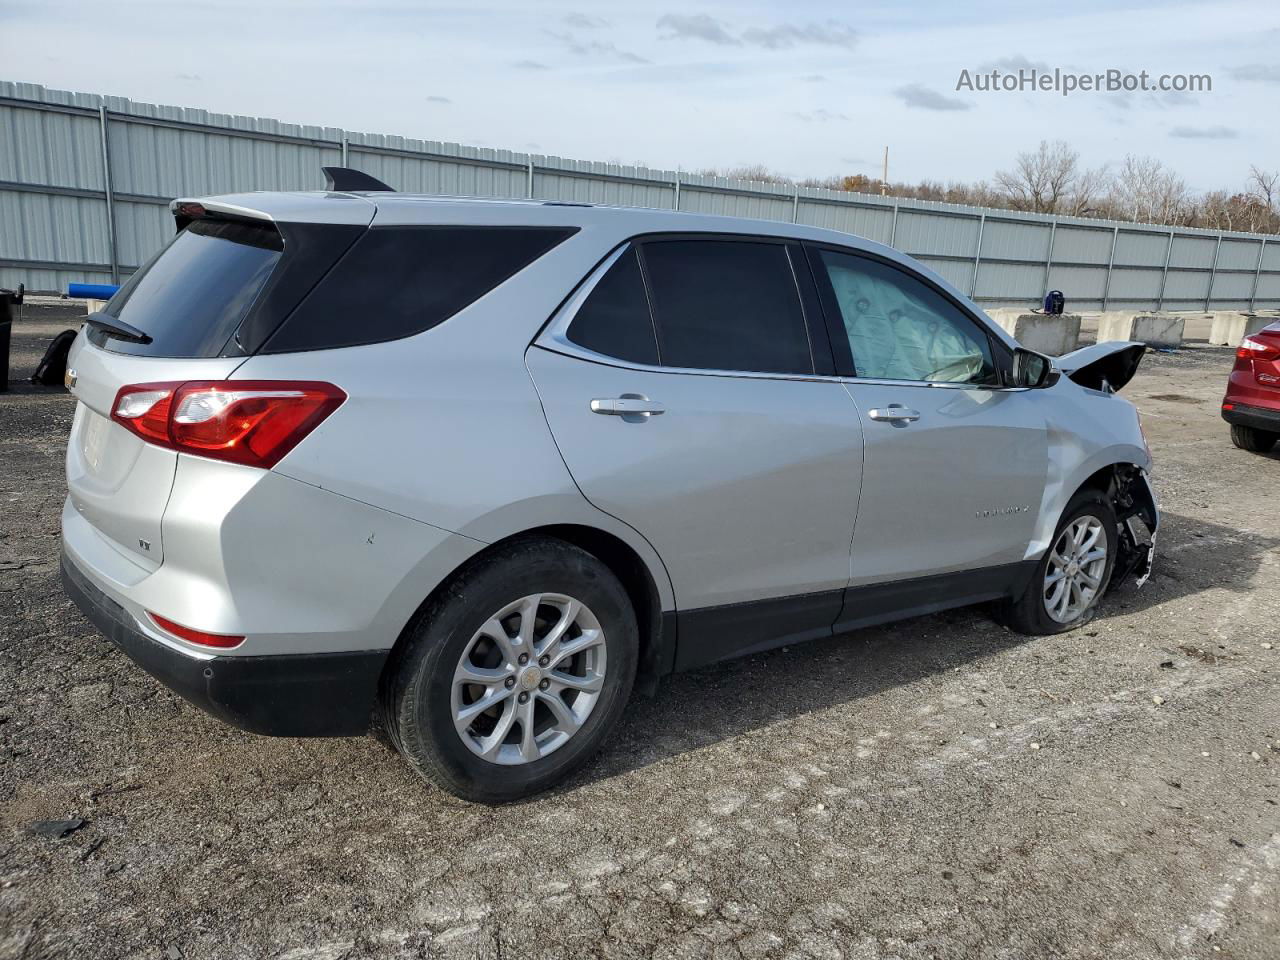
828, 34
814, 78
438, 100
698, 26
701, 26
584, 21
530, 65
918, 95
1204, 133
1016, 62
820, 116
596, 48
189, 77
1258, 72
1178, 98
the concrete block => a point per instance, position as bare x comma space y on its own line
1153, 329
1044, 333
1230, 327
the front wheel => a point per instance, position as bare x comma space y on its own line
1073, 575
514, 676
1253, 440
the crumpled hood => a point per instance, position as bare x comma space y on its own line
1103, 365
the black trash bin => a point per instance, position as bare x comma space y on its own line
8, 299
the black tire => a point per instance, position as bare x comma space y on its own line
1252, 439
1027, 614
415, 699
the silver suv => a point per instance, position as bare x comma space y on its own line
478, 468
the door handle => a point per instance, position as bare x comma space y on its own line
627, 405
894, 413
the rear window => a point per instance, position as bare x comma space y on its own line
399, 281
191, 297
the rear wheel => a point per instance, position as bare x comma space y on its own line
1252, 439
516, 675
1073, 575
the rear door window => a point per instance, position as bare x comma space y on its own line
727, 305
191, 297
615, 320
399, 281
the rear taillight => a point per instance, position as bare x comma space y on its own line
1251, 349
220, 640
252, 422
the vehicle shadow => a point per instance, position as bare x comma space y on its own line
726, 700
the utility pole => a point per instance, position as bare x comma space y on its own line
884, 177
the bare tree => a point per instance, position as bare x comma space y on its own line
1265, 185
1145, 190
1050, 180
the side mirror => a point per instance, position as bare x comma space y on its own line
1033, 370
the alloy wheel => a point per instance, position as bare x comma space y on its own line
529, 678
1077, 564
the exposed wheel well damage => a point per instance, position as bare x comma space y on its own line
1124, 484
657, 633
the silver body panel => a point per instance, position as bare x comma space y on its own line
747, 487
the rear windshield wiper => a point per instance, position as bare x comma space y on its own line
117, 328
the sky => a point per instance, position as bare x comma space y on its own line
806, 88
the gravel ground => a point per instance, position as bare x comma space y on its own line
934, 788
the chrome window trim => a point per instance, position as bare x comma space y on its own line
555, 338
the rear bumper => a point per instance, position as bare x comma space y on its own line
1260, 418
291, 695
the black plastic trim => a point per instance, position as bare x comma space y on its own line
711, 634
303, 695
876, 603
1259, 418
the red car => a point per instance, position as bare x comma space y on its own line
1252, 403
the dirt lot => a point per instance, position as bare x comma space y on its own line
936, 788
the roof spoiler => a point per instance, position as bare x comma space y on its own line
346, 180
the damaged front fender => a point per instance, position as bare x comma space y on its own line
1139, 516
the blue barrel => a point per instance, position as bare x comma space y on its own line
92, 291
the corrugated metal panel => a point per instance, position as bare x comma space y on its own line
870, 222
1185, 285
1078, 245
1003, 240
955, 272
1078, 283
53, 149
1238, 255
1141, 248
921, 234
1269, 286
722, 204
1228, 286
51, 138
1010, 281
1134, 285
1192, 252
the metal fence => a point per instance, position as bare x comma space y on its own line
85, 181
